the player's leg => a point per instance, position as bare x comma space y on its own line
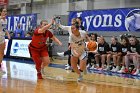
37, 60
74, 61
103, 59
2, 47
83, 62
45, 59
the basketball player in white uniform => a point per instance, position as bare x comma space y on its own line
3, 31
78, 46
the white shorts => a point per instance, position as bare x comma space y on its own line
83, 56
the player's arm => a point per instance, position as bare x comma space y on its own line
87, 37
66, 28
43, 29
56, 40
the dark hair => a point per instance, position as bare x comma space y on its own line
1, 9
126, 39
80, 18
95, 34
76, 25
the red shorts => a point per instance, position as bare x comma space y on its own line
35, 52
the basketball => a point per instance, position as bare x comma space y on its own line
92, 46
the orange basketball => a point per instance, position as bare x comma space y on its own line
92, 46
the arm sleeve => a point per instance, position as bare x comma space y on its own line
65, 27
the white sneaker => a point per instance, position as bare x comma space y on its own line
113, 69
67, 65
116, 69
68, 68
92, 67
96, 66
60, 54
80, 78
107, 68
137, 72
122, 70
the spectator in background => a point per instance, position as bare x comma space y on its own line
133, 54
102, 51
93, 37
11, 34
115, 54
124, 48
28, 35
19, 32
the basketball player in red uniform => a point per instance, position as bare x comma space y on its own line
38, 48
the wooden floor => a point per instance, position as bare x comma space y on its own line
21, 78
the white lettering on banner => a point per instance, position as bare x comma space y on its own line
102, 20
9, 27
24, 20
118, 20
16, 19
88, 21
99, 22
28, 22
107, 19
79, 14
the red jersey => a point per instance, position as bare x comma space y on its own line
39, 39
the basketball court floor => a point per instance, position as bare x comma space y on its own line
20, 77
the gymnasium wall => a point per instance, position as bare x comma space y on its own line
47, 11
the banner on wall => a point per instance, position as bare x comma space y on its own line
27, 21
19, 48
120, 19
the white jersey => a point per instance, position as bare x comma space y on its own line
78, 43
67, 28
3, 24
